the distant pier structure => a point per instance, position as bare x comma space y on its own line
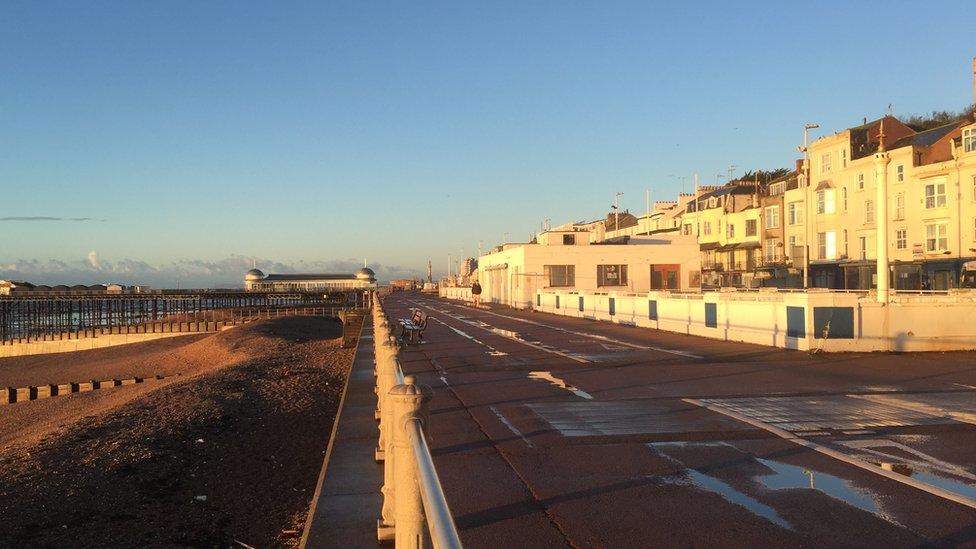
257, 281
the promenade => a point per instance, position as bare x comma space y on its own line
551, 431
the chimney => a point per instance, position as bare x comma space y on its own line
799, 165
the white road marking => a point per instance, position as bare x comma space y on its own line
491, 350
593, 336
903, 401
547, 376
506, 334
511, 427
786, 435
964, 385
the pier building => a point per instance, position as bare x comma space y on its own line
256, 281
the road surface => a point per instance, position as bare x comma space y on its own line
550, 431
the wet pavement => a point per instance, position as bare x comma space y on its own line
550, 431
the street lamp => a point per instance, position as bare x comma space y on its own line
807, 199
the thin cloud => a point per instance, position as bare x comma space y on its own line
182, 273
49, 218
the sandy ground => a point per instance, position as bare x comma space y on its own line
228, 450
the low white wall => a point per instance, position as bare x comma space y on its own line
854, 320
459, 293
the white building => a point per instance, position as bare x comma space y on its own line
566, 259
257, 281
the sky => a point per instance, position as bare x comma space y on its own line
177, 144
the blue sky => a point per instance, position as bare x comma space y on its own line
199, 135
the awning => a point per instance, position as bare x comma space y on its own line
748, 245
709, 246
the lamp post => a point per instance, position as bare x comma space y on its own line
806, 202
616, 211
881, 161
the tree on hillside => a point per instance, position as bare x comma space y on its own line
764, 176
922, 122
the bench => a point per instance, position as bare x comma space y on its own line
411, 331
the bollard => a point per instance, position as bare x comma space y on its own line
410, 402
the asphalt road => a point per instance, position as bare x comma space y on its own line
550, 431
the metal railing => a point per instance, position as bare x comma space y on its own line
415, 512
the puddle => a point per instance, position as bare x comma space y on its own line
786, 476
960, 488
547, 376
907, 461
715, 485
778, 476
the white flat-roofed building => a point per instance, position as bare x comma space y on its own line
257, 281
567, 259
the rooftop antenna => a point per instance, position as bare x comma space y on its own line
732, 168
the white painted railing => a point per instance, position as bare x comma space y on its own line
415, 513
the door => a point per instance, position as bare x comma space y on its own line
665, 277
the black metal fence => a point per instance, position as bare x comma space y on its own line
69, 316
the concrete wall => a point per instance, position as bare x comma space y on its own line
793, 320
84, 344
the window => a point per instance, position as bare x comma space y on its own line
863, 247
936, 237
825, 164
969, 140
569, 239
708, 227
771, 249
843, 195
772, 217
825, 201
974, 187
900, 173
869, 211
777, 188
791, 251
560, 275
935, 195
843, 158
860, 181
611, 275
686, 229
751, 227
900, 206
730, 231
794, 213
845, 242
901, 239
827, 245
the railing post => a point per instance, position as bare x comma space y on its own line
410, 403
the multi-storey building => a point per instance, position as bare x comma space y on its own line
923, 206
726, 221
